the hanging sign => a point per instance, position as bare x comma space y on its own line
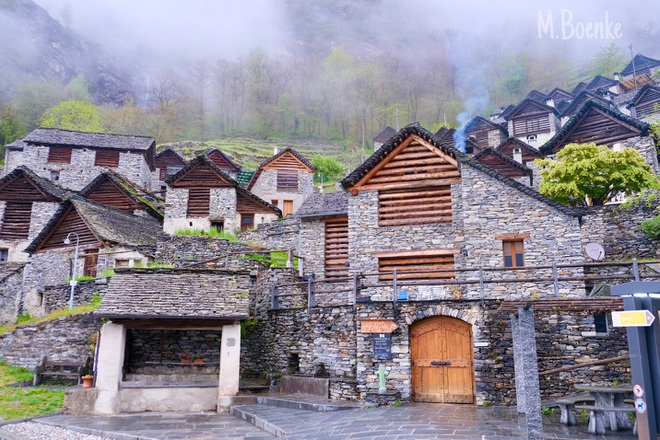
378, 326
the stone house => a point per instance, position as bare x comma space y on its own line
101, 237
603, 125
640, 65
646, 103
385, 271
485, 133
383, 137
27, 202
285, 180
533, 122
166, 163
73, 159
202, 196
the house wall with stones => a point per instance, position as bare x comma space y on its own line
281, 234
646, 147
69, 338
155, 346
266, 188
57, 297
181, 250
81, 170
11, 276
40, 215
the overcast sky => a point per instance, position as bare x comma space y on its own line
213, 29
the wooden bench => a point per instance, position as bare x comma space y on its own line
567, 404
597, 413
62, 369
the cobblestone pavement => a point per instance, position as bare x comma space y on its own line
409, 421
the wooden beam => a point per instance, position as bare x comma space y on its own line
415, 253
413, 184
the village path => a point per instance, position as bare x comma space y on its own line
407, 422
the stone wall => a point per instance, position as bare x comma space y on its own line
266, 188
57, 297
181, 250
10, 291
64, 339
135, 168
618, 230
296, 341
144, 347
280, 234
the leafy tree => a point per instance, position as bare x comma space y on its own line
73, 115
610, 59
10, 126
327, 169
590, 175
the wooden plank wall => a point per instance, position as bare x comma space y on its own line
336, 247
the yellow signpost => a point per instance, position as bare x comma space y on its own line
632, 318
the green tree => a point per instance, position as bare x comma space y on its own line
73, 115
590, 175
610, 59
10, 126
327, 169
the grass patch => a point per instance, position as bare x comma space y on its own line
26, 319
213, 232
20, 403
153, 265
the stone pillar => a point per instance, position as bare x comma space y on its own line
230, 362
518, 367
109, 368
527, 373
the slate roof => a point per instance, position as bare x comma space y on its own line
492, 124
224, 155
579, 100
502, 157
412, 129
384, 135
45, 185
175, 294
537, 96
170, 151
521, 144
600, 81
139, 195
568, 126
324, 205
524, 102
582, 86
55, 136
643, 91
108, 224
640, 62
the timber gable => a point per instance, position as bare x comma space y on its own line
201, 172
503, 164
647, 101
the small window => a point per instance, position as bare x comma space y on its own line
600, 322
218, 225
247, 222
513, 253
59, 155
287, 207
163, 190
122, 264
4, 255
274, 202
54, 175
531, 139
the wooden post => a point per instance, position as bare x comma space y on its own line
311, 297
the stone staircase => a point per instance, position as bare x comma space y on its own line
281, 415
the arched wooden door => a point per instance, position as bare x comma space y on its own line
442, 366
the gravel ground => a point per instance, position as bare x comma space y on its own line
37, 431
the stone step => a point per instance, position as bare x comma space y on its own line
307, 403
275, 420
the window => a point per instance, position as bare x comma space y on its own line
59, 155
416, 265
4, 254
275, 202
107, 158
218, 225
531, 139
513, 253
54, 175
600, 322
517, 154
287, 207
287, 180
91, 260
247, 222
198, 202
122, 264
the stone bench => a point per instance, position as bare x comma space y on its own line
597, 414
567, 404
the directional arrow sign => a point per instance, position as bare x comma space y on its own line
633, 318
378, 326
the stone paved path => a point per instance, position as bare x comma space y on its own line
416, 421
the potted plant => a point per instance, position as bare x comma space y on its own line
185, 358
87, 381
198, 358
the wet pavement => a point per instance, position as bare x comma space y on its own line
405, 422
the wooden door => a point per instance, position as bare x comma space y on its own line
442, 367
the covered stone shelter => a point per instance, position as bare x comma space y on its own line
152, 316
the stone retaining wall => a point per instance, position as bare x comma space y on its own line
65, 339
57, 297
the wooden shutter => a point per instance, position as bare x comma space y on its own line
16, 221
91, 260
287, 180
287, 207
199, 200
336, 248
417, 265
414, 207
107, 158
59, 154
